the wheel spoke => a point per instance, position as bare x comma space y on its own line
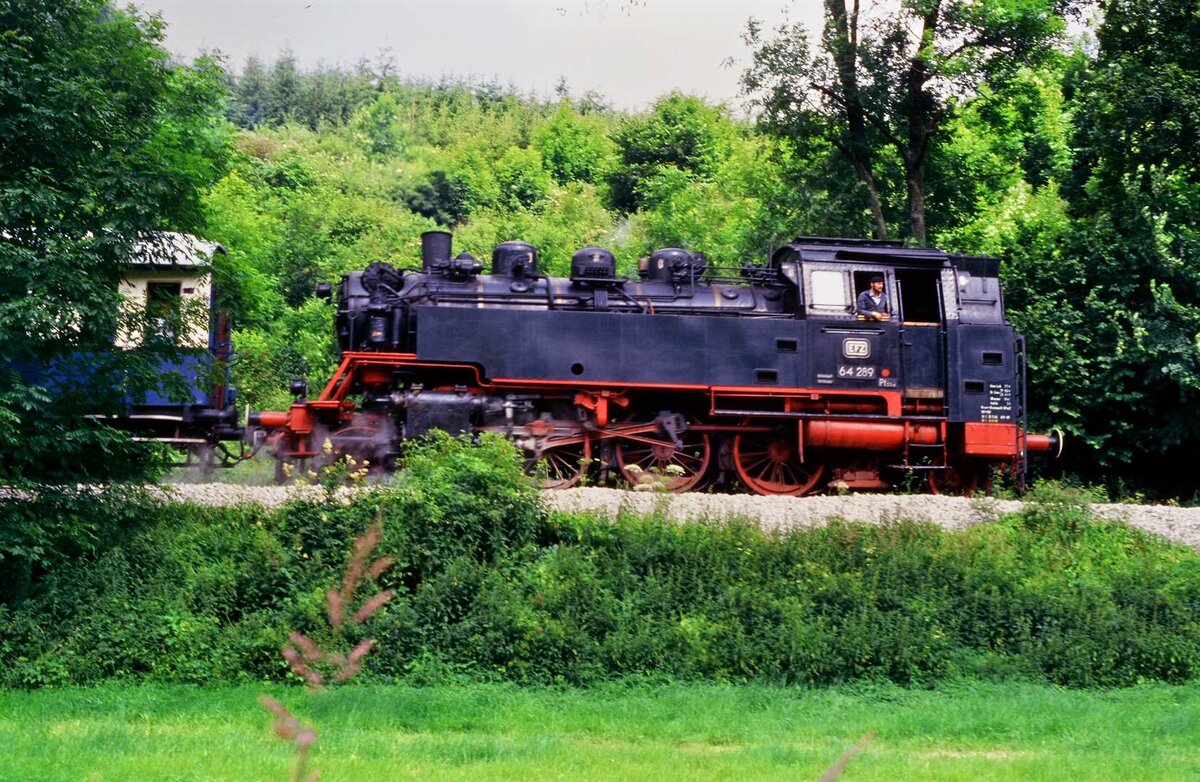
957, 480
641, 463
561, 467
763, 460
769, 464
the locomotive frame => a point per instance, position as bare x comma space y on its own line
763, 376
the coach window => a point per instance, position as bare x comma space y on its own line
829, 292
163, 311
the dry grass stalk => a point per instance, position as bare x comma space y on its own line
352, 663
305, 657
303, 654
378, 601
379, 567
333, 601
363, 547
288, 728
307, 648
837, 768
312, 677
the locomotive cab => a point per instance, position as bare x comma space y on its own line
906, 350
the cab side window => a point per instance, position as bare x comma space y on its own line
872, 300
829, 292
862, 281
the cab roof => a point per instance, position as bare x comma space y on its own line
885, 253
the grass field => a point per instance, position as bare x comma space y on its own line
652, 732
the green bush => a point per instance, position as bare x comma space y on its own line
43, 528
490, 586
681, 133
523, 182
575, 147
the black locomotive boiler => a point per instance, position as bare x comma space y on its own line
765, 377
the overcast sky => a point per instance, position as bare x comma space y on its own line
630, 50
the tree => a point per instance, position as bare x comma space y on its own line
681, 133
888, 81
1120, 297
594, 102
440, 197
283, 89
377, 121
521, 179
248, 106
101, 141
574, 147
1101, 244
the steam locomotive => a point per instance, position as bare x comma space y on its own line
762, 377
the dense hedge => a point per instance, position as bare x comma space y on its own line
490, 586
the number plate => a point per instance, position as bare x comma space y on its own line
856, 372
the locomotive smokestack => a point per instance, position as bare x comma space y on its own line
435, 247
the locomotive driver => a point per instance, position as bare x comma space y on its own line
873, 303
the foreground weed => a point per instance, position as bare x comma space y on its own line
316, 665
288, 728
304, 656
837, 768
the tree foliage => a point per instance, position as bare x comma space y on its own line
378, 123
575, 147
103, 140
1096, 221
883, 83
1125, 278
681, 134
522, 180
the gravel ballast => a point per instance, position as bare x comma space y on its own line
1180, 525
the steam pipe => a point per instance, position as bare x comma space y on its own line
868, 435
